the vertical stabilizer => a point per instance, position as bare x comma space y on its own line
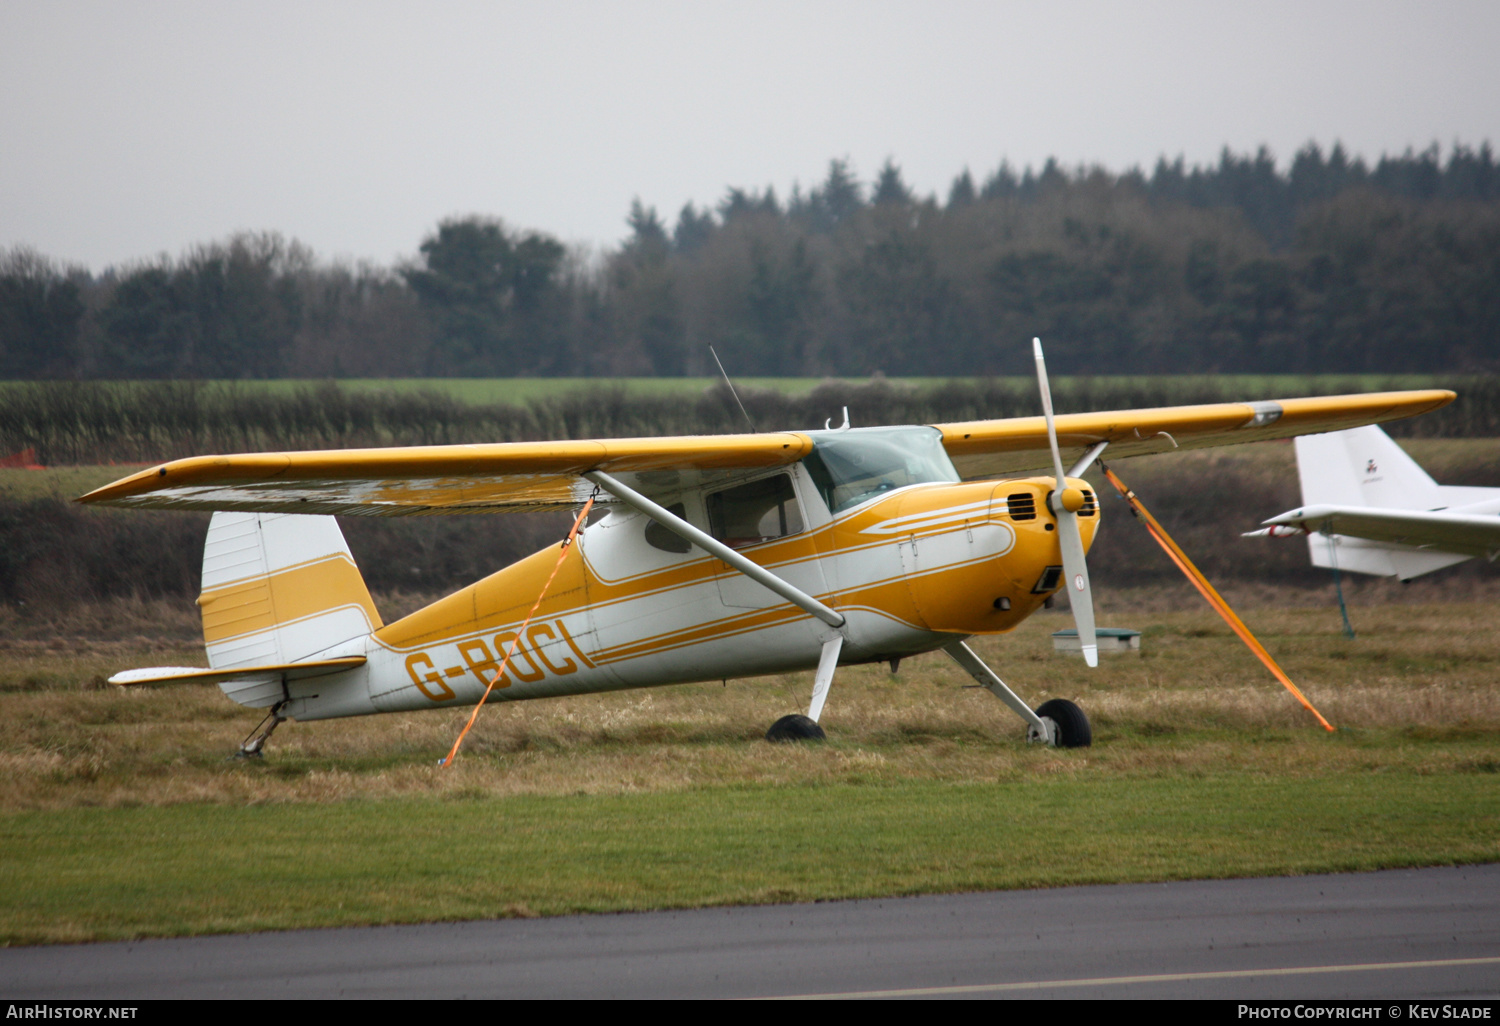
1362, 467
278, 588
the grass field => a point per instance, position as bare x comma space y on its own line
523, 390
121, 818
63, 482
102, 874
79, 423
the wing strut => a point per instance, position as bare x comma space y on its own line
714, 547
1089, 457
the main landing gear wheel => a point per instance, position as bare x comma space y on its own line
797, 727
1069, 725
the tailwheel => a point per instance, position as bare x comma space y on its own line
1070, 727
253, 747
796, 727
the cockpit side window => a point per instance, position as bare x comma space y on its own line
658, 537
760, 511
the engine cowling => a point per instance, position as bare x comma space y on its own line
979, 558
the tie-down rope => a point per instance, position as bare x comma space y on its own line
1214, 598
561, 555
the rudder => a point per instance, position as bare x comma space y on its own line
278, 588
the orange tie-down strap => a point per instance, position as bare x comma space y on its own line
561, 555
1214, 598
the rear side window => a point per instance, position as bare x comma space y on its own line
658, 537
756, 512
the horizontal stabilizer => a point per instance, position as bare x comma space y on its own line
1469, 534
198, 675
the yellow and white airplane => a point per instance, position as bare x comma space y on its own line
719, 557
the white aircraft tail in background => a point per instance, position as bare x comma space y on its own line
1370, 509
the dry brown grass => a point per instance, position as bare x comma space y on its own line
136, 622
102, 625
1417, 687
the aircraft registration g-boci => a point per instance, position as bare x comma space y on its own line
719, 557
1369, 508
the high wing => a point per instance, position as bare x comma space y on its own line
1472, 534
406, 481
992, 448
434, 479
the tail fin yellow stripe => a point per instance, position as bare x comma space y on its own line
261, 603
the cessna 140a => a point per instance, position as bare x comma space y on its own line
723, 556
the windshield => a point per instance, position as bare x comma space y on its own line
851, 466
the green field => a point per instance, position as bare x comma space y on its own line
88, 874
63, 482
80, 423
482, 391
121, 818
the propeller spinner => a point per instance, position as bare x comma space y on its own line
1065, 502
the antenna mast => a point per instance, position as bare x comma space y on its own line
731, 389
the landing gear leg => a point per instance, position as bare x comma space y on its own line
805, 728
254, 745
1058, 723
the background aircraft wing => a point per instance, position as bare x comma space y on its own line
1471, 534
991, 448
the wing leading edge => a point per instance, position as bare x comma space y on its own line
437, 479
991, 448
409, 481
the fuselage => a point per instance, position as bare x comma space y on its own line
911, 568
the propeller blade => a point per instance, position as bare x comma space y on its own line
1065, 503
1046, 390
1080, 595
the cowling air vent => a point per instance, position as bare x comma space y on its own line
1021, 506
1090, 504
1048, 582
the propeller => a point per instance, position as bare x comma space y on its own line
1065, 502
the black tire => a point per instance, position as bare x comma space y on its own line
795, 727
1072, 725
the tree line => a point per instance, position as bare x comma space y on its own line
1332, 265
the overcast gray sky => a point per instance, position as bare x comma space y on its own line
131, 128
